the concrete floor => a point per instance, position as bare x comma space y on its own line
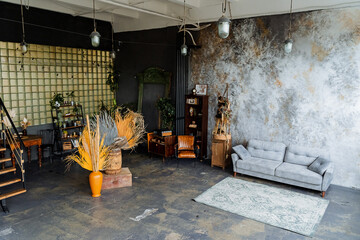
58, 205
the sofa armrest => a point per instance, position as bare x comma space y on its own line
235, 158
327, 177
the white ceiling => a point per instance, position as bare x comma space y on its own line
127, 15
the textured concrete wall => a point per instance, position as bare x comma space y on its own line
310, 97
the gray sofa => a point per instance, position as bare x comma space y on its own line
300, 166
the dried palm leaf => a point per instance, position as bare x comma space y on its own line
132, 127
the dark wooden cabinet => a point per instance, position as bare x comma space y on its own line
196, 120
163, 146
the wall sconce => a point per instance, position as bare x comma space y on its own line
289, 42
95, 36
224, 23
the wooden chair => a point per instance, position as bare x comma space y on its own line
185, 148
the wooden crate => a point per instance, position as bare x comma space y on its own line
220, 147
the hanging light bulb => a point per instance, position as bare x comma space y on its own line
23, 44
289, 42
95, 36
224, 23
24, 48
288, 45
184, 48
113, 54
224, 27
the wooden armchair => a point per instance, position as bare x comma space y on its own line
185, 148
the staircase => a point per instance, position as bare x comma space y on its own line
12, 172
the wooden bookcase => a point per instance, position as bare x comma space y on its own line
163, 146
196, 120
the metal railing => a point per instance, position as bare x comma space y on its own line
11, 137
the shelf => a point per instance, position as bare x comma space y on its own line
70, 138
72, 115
64, 106
65, 128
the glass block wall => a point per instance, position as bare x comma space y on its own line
27, 83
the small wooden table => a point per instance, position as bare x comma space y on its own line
29, 141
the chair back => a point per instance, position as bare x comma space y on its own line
186, 142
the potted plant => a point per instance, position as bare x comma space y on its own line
91, 155
57, 100
113, 79
167, 112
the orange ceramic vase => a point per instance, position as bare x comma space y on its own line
96, 179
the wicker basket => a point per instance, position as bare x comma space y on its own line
115, 162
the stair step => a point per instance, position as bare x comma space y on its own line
7, 170
12, 181
2, 149
2, 160
12, 193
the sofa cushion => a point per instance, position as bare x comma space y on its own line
319, 165
267, 150
258, 165
242, 152
302, 155
298, 173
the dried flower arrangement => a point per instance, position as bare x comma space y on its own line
25, 123
92, 153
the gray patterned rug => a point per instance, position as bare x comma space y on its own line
278, 207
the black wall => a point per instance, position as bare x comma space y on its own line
76, 30
138, 51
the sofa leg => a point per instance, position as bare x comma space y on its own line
323, 194
234, 174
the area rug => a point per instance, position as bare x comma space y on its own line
278, 207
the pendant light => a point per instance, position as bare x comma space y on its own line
112, 53
23, 44
224, 23
184, 48
289, 42
95, 36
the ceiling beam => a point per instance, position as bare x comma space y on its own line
123, 5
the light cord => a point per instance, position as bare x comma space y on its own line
94, 15
291, 4
22, 21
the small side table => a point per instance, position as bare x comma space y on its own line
29, 141
220, 147
163, 146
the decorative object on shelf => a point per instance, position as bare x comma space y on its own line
192, 101
72, 96
24, 124
224, 22
201, 89
95, 36
223, 114
57, 100
194, 91
166, 112
23, 44
92, 155
289, 42
193, 125
191, 111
